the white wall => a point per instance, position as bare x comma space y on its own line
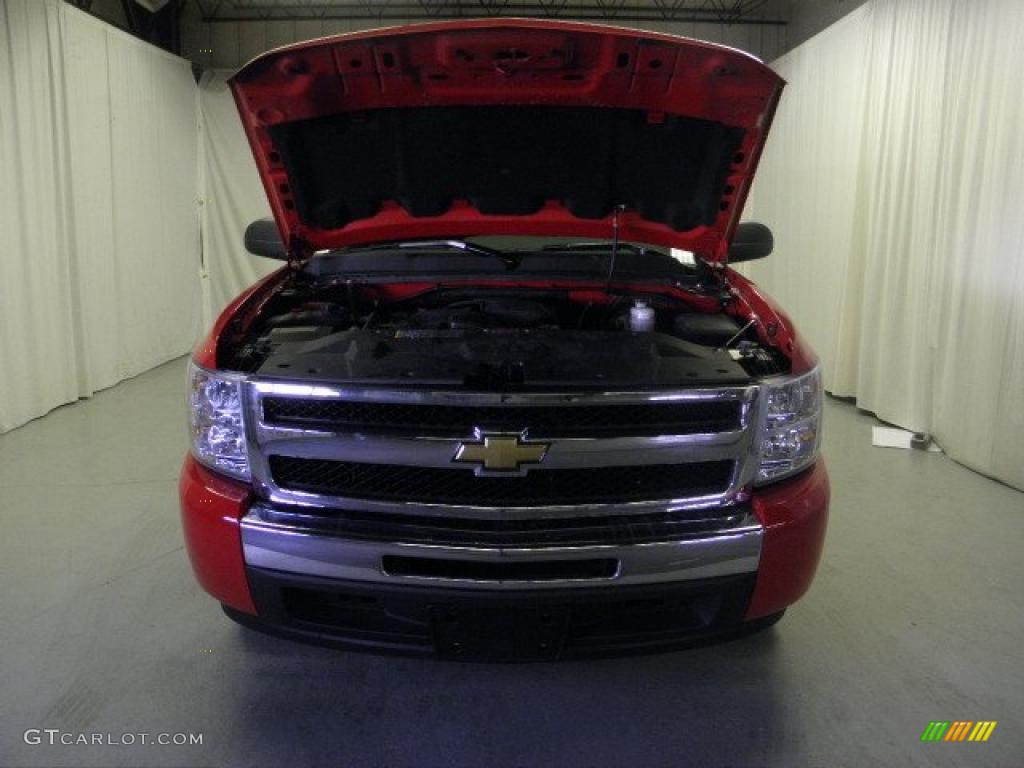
804, 188
98, 145
893, 180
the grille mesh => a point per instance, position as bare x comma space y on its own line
432, 485
620, 420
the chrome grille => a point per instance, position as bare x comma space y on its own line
433, 485
391, 451
621, 420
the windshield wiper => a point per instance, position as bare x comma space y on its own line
596, 246
511, 259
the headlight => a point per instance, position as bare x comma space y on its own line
216, 427
792, 427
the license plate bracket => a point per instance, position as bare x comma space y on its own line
468, 630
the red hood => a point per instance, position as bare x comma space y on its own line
507, 126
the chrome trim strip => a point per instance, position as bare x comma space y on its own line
455, 397
313, 519
731, 551
412, 507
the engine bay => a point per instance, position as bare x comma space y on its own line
496, 338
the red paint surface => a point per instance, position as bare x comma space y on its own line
459, 63
211, 508
794, 514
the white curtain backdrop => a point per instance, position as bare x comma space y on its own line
100, 232
893, 181
233, 196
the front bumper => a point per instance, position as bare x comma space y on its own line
507, 625
394, 557
393, 596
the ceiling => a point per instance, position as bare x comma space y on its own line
715, 11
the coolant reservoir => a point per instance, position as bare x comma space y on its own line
641, 318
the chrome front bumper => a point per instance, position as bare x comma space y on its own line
274, 546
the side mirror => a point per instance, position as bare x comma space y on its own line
751, 241
263, 239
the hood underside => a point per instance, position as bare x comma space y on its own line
506, 127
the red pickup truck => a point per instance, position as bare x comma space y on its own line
505, 399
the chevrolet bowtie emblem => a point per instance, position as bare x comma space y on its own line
500, 453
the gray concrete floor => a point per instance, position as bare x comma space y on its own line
916, 615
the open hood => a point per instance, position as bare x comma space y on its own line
509, 126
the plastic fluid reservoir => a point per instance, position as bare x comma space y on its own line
641, 317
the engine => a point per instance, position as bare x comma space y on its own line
499, 338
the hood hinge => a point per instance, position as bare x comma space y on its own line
299, 253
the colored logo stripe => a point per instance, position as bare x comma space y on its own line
958, 730
982, 730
